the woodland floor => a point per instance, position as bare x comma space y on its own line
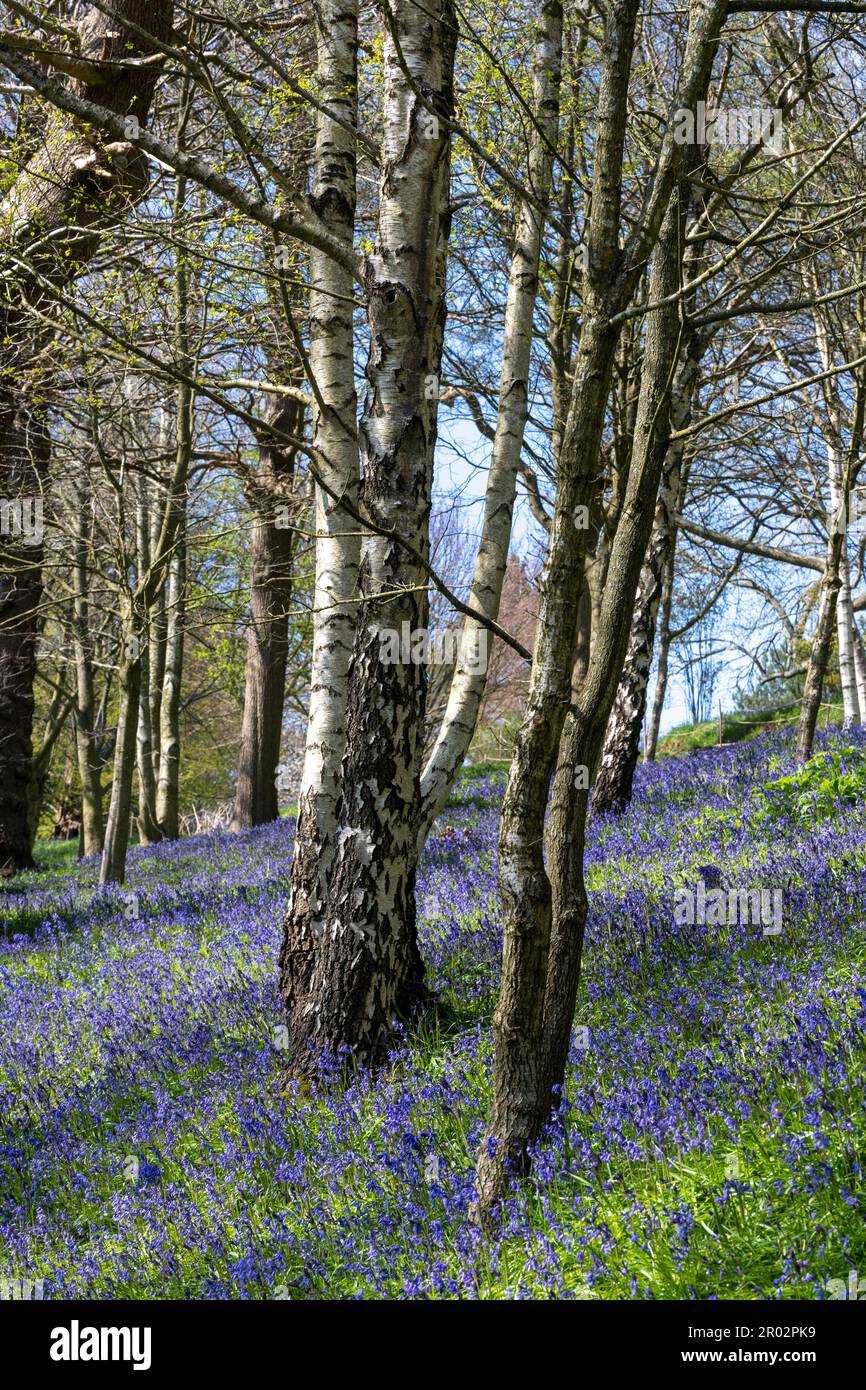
712, 1143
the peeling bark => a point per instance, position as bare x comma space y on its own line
335, 445
366, 970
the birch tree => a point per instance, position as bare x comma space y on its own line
361, 967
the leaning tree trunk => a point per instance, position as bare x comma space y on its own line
543, 917
613, 782
366, 967
51, 220
470, 674
270, 496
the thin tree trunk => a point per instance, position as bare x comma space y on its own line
613, 783
842, 469
92, 828
664, 646
859, 664
845, 641
24, 460
168, 786
157, 626
470, 674
367, 969
54, 725
256, 800
822, 641
112, 868
148, 829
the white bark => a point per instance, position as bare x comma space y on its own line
361, 953
331, 356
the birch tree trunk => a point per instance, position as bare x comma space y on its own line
842, 477
112, 867
92, 828
822, 639
845, 639
664, 645
859, 664
841, 473
367, 970
470, 674
335, 444
51, 219
148, 828
168, 785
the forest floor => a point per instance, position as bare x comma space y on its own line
712, 1141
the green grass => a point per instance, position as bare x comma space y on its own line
736, 728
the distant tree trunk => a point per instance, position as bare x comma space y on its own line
51, 219
845, 641
613, 782
270, 497
470, 674
168, 787
92, 828
24, 459
664, 646
367, 969
148, 829
55, 722
113, 865
859, 665
835, 594
157, 626
822, 641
